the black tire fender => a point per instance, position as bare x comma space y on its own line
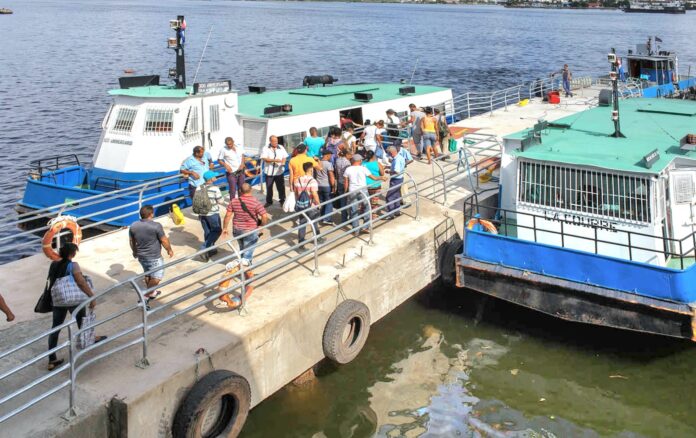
448, 251
346, 331
215, 406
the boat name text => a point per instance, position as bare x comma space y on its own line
574, 219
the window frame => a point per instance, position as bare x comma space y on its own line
153, 126
115, 128
592, 192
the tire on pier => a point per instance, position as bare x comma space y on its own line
217, 405
447, 263
346, 331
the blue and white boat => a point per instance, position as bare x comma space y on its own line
656, 70
150, 128
595, 221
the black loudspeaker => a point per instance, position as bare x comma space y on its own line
606, 98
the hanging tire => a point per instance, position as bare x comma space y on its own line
346, 331
448, 269
216, 406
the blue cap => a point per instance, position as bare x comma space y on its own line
209, 175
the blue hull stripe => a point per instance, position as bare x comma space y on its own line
609, 272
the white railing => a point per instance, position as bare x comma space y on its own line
472, 104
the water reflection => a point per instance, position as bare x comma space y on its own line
431, 369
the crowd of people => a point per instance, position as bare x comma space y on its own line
336, 175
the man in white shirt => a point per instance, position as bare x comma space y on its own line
232, 157
274, 157
355, 184
369, 136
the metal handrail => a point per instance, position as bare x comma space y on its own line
138, 190
75, 366
471, 202
77, 360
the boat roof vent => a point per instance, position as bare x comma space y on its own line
405, 91
277, 110
363, 97
138, 81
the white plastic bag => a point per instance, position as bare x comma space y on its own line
289, 204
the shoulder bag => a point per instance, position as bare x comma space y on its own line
65, 292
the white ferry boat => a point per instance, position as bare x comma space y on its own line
151, 128
596, 221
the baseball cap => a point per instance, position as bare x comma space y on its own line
209, 175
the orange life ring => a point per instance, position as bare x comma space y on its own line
251, 172
231, 300
487, 225
55, 226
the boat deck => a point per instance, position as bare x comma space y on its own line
289, 289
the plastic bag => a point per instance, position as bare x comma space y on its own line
289, 204
87, 338
177, 215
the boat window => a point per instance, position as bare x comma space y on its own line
583, 190
322, 132
214, 118
159, 121
292, 140
124, 120
191, 126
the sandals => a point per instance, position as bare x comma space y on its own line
52, 365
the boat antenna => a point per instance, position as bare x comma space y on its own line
202, 54
414, 70
614, 76
179, 74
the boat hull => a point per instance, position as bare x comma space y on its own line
657, 11
577, 302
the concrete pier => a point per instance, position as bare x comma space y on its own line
275, 339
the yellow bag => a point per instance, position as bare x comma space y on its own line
177, 215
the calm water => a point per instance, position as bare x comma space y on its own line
428, 368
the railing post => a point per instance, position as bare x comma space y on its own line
681, 254
534, 227
596, 249
73, 376
630, 247
506, 92
144, 362
562, 236
415, 188
315, 272
369, 215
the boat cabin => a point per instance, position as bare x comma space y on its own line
651, 65
572, 184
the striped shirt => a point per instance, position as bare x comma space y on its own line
241, 219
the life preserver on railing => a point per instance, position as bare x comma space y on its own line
55, 226
253, 171
487, 225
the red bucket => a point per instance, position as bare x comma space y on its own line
554, 97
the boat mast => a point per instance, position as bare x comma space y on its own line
614, 75
179, 26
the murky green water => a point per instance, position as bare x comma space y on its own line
430, 368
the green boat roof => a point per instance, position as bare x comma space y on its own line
312, 100
303, 100
648, 125
162, 91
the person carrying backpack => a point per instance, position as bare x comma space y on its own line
306, 199
206, 204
